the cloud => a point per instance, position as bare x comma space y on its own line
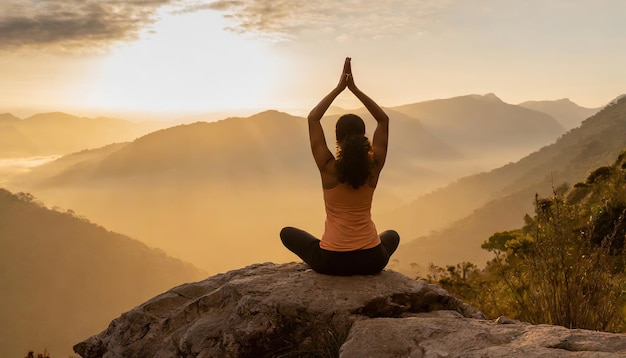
291, 19
74, 24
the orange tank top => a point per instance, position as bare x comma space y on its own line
349, 224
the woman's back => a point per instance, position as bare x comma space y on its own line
349, 224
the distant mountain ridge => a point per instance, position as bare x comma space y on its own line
484, 123
8, 118
411, 139
258, 168
568, 113
57, 133
252, 144
241, 179
63, 278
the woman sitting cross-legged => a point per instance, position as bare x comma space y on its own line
350, 244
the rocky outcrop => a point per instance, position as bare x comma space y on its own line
448, 334
270, 310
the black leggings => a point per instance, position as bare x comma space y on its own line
359, 262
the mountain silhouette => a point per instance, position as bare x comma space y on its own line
568, 113
59, 133
231, 185
497, 200
251, 146
184, 187
228, 149
7, 118
479, 124
64, 278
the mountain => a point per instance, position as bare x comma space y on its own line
248, 146
218, 193
480, 124
63, 278
61, 133
8, 118
227, 149
568, 113
498, 200
204, 191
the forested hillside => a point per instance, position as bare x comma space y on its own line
63, 278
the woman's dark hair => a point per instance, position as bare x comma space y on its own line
353, 151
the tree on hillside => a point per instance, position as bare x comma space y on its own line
565, 266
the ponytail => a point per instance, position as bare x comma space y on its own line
354, 160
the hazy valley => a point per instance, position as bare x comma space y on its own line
216, 194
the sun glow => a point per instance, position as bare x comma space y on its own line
188, 62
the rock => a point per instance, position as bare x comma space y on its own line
270, 310
263, 310
506, 320
448, 334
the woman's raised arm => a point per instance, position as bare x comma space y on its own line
381, 134
320, 150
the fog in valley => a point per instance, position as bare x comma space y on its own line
217, 194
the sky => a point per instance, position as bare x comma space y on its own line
125, 57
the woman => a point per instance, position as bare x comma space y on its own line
350, 244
